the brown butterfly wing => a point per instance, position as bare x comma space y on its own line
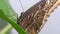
33, 19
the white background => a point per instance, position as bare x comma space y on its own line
52, 26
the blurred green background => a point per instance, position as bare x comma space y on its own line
5, 28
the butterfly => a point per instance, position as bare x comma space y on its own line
34, 18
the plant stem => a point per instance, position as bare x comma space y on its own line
13, 23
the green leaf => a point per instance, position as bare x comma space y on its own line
6, 13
